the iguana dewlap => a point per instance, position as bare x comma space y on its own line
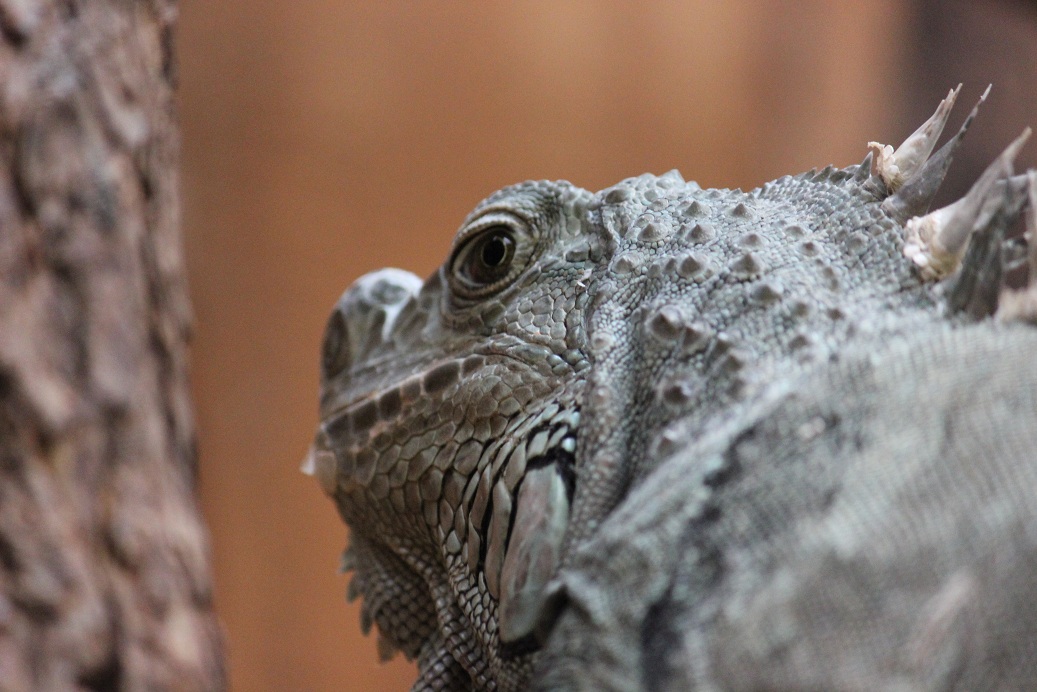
663, 437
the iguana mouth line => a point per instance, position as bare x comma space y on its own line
431, 380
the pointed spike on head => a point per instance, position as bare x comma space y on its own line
968, 120
937, 241
972, 115
895, 166
919, 233
915, 150
918, 191
954, 237
978, 285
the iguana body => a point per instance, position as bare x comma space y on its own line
663, 437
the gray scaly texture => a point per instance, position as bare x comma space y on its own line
661, 437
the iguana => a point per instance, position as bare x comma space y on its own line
662, 437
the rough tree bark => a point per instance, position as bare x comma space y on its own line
104, 576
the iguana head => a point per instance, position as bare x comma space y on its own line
476, 427
450, 411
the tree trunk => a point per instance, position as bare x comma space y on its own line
104, 575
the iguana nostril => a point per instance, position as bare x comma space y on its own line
364, 318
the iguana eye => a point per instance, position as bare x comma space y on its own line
489, 258
486, 261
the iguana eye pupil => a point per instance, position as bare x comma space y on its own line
494, 251
490, 258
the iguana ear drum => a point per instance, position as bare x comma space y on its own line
534, 552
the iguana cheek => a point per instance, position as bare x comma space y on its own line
534, 551
500, 523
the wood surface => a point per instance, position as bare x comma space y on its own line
104, 574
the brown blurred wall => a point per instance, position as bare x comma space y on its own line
326, 139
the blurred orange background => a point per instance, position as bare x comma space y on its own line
326, 139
